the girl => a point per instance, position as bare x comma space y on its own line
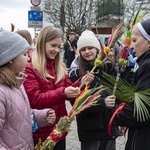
92, 123
47, 83
15, 113
26, 34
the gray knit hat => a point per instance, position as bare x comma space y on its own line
11, 45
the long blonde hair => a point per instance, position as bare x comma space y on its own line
7, 76
39, 60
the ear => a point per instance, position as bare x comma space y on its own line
10, 62
149, 44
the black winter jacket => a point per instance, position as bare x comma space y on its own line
92, 123
139, 132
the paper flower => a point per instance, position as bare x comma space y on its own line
127, 39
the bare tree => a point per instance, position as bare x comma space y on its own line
111, 12
70, 14
131, 8
77, 15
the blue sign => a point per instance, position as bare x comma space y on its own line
35, 15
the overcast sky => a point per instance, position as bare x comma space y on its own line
16, 12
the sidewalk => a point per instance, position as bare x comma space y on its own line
73, 143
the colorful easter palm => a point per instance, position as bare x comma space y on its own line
86, 99
121, 66
138, 17
114, 37
116, 34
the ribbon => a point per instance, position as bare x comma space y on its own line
117, 111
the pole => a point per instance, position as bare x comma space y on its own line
34, 31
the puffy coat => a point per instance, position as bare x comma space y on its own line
46, 94
15, 118
139, 132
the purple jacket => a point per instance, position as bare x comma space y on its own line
15, 118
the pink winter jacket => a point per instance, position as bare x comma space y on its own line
15, 119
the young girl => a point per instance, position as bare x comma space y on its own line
138, 133
92, 123
47, 83
15, 113
26, 34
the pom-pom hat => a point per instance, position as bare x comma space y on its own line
11, 45
86, 39
144, 27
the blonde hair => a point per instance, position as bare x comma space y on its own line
39, 60
7, 76
25, 34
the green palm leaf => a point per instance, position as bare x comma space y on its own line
127, 93
142, 99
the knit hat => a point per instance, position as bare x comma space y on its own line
88, 38
11, 45
144, 28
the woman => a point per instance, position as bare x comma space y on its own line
138, 133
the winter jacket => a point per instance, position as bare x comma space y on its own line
139, 132
69, 55
93, 122
46, 94
15, 118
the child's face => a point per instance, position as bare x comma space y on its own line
89, 53
18, 64
52, 48
139, 43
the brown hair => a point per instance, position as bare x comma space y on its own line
7, 77
106, 66
25, 34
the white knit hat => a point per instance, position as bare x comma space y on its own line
11, 45
88, 38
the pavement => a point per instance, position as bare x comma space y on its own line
72, 142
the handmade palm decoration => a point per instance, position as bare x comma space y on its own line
138, 17
116, 34
127, 39
127, 94
121, 65
86, 99
114, 37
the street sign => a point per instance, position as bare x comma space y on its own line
35, 16
35, 8
35, 19
35, 3
35, 24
